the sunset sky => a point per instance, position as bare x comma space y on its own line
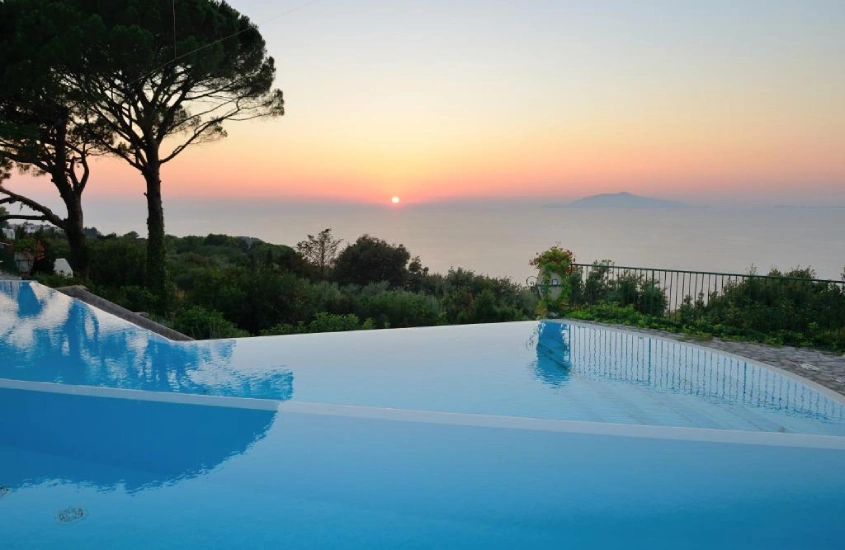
713, 102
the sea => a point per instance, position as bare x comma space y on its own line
499, 238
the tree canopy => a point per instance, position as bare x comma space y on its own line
155, 92
372, 260
320, 251
41, 129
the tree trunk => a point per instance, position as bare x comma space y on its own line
79, 256
75, 233
156, 248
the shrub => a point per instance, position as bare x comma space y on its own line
133, 298
500, 299
370, 260
254, 300
399, 308
324, 296
323, 322
200, 323
625, 289
117, 261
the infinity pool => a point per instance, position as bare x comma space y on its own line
546, 435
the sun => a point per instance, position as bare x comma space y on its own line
395, 200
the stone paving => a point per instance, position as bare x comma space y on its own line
824, 368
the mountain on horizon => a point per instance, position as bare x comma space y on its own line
620, 200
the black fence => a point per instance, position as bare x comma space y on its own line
791, 309
661, 291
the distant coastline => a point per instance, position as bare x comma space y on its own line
618, 200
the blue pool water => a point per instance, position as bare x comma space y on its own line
542, 435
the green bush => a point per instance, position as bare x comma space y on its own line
470, 298
200, 323
323, 322
117, 261
780, 309
625, 289
371, 260
325, 296
253, 300
789, 308
399, 309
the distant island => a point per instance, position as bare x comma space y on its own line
619, 200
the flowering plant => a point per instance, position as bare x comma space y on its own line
28, 246
554, 285
554, 260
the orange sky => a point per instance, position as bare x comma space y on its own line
430, 101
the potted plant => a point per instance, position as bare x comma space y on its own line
555, 267
26, 250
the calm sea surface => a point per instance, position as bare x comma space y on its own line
500, 238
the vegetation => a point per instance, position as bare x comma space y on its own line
555, 270
789, 308
203, 324
42, 130
371, 260
225, 286
25, 245
323, 322
320, 251
80, 76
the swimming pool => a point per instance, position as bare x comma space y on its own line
490, 436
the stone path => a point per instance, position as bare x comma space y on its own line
824, 368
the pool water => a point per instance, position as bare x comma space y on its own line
547, 370
541, 435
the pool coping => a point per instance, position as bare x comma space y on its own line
79, 292
708, 435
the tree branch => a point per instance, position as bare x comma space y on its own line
167, 121
83, 180
49, 215
198, 133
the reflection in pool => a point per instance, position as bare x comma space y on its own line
554, 363
593, 353
48, 337
109, 442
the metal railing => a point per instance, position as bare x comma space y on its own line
660, 291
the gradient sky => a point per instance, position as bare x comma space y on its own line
716, 102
